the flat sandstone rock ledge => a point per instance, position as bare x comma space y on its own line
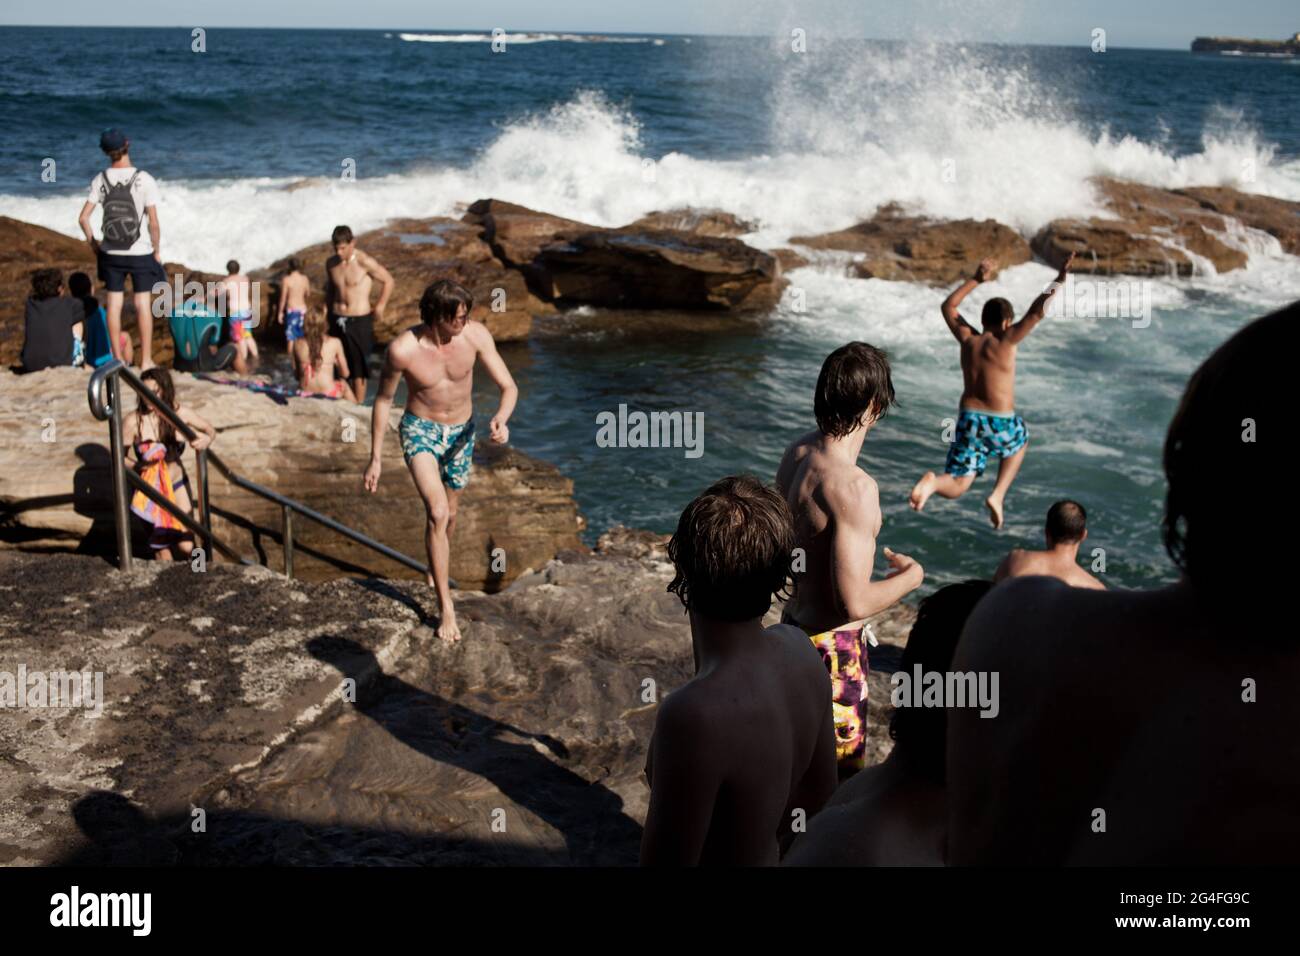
56, 485
1147, 232
223, 690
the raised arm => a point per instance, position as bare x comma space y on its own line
496, 368
1036, 311
958, 326
856, 510
388, 380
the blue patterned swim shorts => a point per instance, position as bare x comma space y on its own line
451, 445
292, 325
980, 434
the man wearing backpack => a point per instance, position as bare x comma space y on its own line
128, 196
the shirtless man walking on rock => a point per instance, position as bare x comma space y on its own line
437, 358
347, 299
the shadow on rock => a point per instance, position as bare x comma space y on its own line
589, 815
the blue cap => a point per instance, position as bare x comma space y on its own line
112, 139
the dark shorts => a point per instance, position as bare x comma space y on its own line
357, 333
145, 272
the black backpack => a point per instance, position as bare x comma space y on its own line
121, 220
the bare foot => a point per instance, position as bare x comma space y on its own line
923, 490
145, 365
995, 510
448, 632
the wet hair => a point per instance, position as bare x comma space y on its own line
79, 285
341, 234
996, 311
167, 392
921, 733
294, 264
1066, 521
442, 300
232, 266
1226, 446
46, 283
854, 383
732, 550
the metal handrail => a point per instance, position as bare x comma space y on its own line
108, 408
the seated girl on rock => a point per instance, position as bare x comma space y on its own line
156, 450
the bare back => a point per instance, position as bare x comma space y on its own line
317, 378
1022, 564
757, 731
1131, 703
831, 503
235, 289
295, 287
988, 369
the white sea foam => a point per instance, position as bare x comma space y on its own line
522, 38
875, 129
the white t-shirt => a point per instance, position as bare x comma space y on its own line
145, 194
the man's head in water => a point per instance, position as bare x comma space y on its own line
1227, 447
732, 550
446, 305
920, 733
1067, 523
997, 315
853, 389
344, 243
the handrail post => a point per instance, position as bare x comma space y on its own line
288, 541
120, 514
205, 515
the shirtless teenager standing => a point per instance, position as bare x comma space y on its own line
234, 293
436, 358
1067, 528
836, 505
987, 423
295, 288
748, 741
347, 298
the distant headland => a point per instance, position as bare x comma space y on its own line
1238, 47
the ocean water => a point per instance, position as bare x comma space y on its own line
795, 142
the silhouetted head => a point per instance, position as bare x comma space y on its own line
79, 285
447, 304
920, 734
854, 388
997, 315
232, 267
1228, 445
732, 550
294, 264
1067, 523
46, 283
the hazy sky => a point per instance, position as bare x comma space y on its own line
1128, 23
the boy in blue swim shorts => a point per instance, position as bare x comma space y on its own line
436, 359
987, 423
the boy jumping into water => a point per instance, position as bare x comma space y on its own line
437, 360
987, 423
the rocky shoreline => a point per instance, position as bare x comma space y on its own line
225, 694
523, 263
